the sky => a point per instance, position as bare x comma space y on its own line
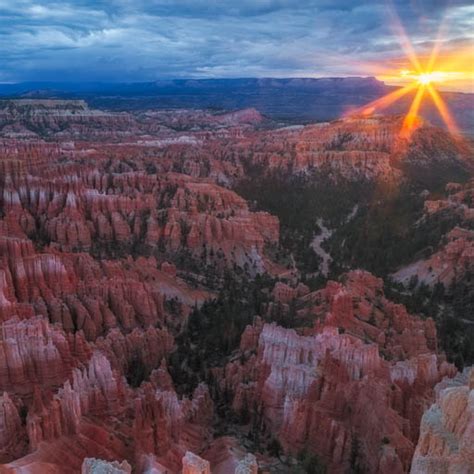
146, 40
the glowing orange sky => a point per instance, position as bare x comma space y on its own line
453, 62
455, 71
453, 68
423, 74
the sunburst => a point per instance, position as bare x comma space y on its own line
423, 78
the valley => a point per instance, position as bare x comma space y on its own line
197, 290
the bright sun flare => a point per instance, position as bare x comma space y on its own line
422, 80
426, 78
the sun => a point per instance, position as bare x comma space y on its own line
426, 78
421, 80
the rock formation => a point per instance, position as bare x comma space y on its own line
98, 466
33, 352
226, 456
115, 227
449, 264
312, 391
12, 436
193, 464
453, 258
447, 429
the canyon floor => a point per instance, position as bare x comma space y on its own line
197, 291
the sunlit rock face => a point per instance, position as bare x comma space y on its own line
95, 413
449, 264
34, 352
85, 208
447, 429
459, 202
98, 466
115, 226
358, 149
94, 244
313, 391
193, 464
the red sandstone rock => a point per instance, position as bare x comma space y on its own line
226, 456
94, 390
447, 429
12, 435
96, 466
459, 202
73, 213
313, 391
34, 352
147, 347
359, 307
284, 293
449, 264
193, 464
66, 454
168, 427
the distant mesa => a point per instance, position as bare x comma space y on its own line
296, 100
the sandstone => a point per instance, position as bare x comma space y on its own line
447, 429
112, 225
312, 391
34, 352
227, 456
93, 390
447, 265
193, 464
248, 465
12, 436
98, 466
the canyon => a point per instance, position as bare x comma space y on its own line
125, 235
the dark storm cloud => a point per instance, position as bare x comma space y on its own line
136, 40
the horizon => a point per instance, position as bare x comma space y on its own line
96, 41
440, 87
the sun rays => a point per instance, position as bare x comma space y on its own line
422, 75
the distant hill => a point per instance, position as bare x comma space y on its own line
296, 100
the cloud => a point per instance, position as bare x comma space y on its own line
140, 40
